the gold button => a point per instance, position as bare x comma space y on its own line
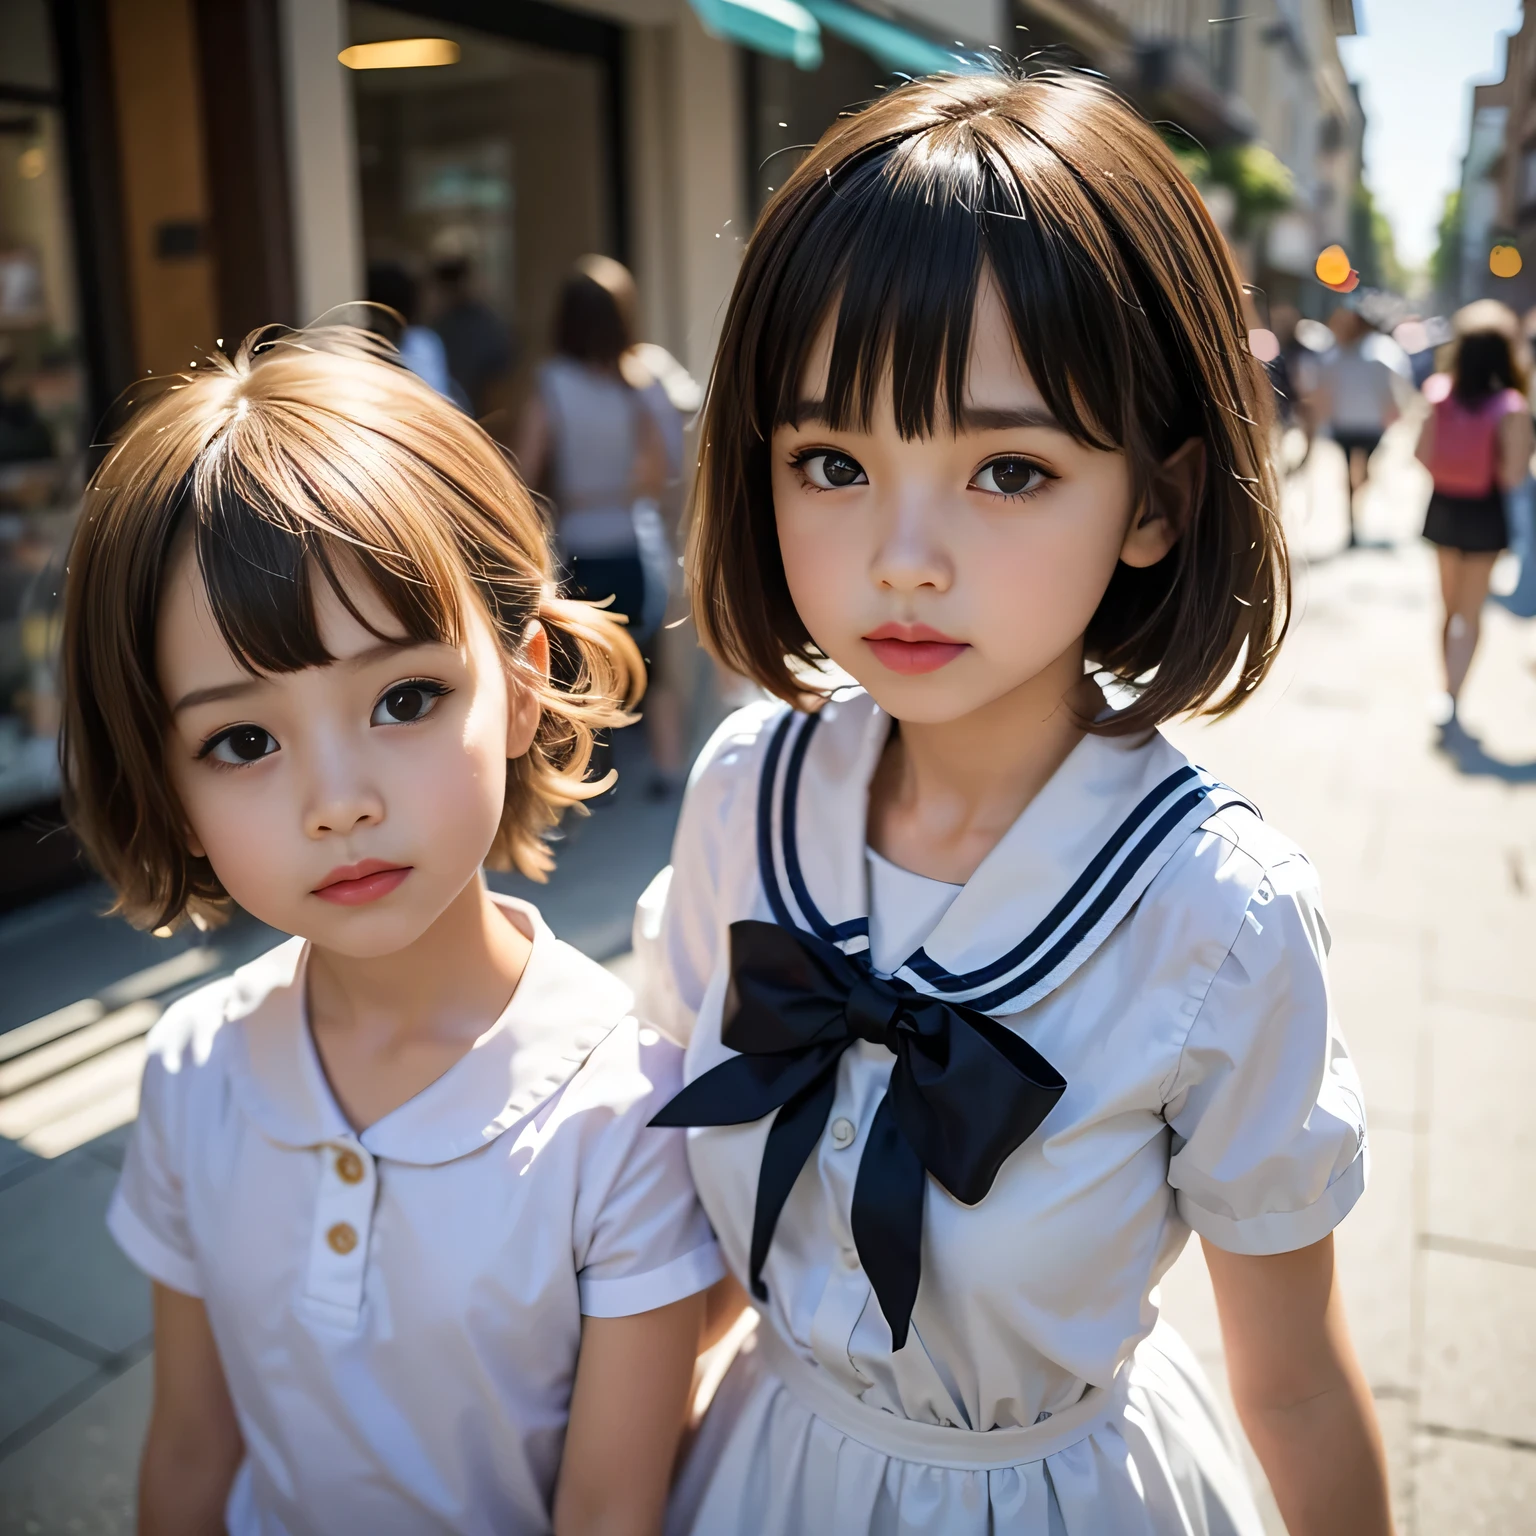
342, 1237
349, 1168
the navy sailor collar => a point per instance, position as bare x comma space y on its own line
1058, 882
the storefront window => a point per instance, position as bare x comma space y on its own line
42, 404
482, 181
788, 109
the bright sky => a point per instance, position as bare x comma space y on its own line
1415, 61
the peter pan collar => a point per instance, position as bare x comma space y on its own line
1059, 881
563, 1007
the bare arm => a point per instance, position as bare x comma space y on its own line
627, 1409
193, 1449
532, 447
724, 1302
1299, 1390
1424, 451
1514, 448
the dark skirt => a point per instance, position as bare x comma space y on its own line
621, 577
1474, 524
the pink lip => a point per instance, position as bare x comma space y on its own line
354, 885
913, 649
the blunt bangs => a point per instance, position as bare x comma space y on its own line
261, 558
1125, 307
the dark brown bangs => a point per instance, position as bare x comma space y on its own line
898, 241
261, 561
1126, 308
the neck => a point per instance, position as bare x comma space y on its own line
452, 983
945, 793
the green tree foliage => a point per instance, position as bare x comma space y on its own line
1259, 179
1445, 264
1372, 248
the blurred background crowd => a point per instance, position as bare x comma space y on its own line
545, 201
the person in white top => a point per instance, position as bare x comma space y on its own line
421, 1265
990, 996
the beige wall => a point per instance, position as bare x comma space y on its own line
322, 157
160, 141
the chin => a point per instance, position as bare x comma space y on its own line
926, 700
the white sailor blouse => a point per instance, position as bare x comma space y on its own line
1118, 1030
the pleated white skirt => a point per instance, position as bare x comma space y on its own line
784, 1452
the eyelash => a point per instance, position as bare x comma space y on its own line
804, 456
433, 690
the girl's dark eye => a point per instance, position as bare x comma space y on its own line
1009, 477
241, 744
407, 702
831, 471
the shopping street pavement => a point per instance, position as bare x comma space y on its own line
1429, 876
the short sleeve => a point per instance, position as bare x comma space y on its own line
1269, 1149
677, 920
147, 1215
643, 1238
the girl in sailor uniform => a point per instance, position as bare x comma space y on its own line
421, 1266
990, 996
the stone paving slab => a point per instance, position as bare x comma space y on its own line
37, 1373
80, 1474
1479, 1345
58, 1262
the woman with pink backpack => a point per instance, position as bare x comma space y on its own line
1476, 443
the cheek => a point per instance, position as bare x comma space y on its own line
824, 559
459, 780
245, 829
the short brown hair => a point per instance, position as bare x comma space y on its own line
1127, 311
306, 455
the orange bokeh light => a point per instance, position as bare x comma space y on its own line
1333, 266
1504, 261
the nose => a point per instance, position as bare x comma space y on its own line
911, 555
341, 797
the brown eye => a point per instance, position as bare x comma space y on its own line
1009, 477
832, 471
241, 744
407, 702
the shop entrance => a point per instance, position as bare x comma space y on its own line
484, 178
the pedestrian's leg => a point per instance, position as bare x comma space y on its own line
1359, 469
1465, 621
1450, 589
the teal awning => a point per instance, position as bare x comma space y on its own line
783, 29
791, 29
887, 42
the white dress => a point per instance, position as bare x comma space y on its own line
1163, 949
398, 1312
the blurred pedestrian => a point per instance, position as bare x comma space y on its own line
1476, 444
421, 348
1357, 385
482, 349
1292, 371
1521, 507
603, 442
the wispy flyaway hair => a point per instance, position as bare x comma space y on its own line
1126, 309
307, 457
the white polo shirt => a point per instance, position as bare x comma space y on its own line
399, 1312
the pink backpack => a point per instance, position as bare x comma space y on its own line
1466, 455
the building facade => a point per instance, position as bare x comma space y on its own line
174, 173
1233, 77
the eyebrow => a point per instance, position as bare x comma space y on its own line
972, 418
222, 691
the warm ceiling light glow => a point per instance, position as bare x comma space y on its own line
401, 53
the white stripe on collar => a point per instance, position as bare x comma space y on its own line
1059, 881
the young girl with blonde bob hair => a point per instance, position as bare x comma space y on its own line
420, 1264
991, 996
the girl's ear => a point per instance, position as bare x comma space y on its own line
523, 706
1170, 502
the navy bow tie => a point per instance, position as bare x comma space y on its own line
964, 1094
